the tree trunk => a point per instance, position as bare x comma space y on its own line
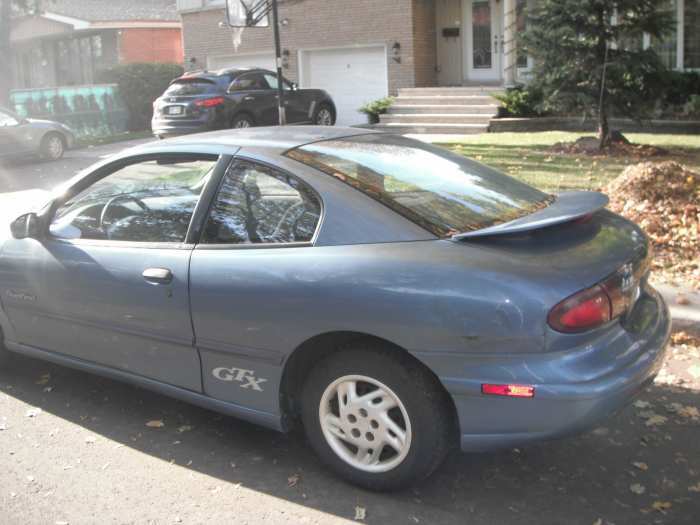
603, 128
5, 53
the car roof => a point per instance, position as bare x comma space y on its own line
213, 76
274, 139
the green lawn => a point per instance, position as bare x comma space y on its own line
526, 156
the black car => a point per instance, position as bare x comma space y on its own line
235, 98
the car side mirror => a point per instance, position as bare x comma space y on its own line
27, 226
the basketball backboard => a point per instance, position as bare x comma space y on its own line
248, 13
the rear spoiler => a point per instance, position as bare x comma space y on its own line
567, 206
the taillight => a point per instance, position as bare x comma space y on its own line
583, 311
209, 102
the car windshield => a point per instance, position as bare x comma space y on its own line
191, 87
444, 192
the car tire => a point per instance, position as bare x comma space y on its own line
53, 146
420, 427
324, 116
242, 120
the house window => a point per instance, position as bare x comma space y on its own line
691, 40
481, 30
667, 47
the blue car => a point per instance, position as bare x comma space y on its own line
390, 297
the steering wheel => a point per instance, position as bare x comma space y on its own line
114, 199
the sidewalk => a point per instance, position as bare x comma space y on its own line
684, 305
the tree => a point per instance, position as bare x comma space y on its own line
589, 56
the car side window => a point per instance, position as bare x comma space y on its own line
150, 201
250, 82
260, 205
272, 82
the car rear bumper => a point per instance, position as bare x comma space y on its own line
583, 386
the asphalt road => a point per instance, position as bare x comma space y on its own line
76, 448
32, 174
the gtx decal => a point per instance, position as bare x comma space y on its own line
245, 377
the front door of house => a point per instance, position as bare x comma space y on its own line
483, 39
448, 16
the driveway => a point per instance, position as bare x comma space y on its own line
77, 449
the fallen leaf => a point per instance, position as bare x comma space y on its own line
184, 428
637, 488
661, 506
89, 440
599, 521
641, 465
656, 419
43, 379
33, 412
156, 423
641, 404
360, 513
293, 480
694, 488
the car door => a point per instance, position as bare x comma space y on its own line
253, 95
294, 101
260, 227
109, 283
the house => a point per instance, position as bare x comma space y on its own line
361, 50
70, 41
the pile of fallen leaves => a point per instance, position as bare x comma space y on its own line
664, 199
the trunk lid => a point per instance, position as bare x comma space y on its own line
570, 255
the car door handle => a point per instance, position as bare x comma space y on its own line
158, 275
248, 98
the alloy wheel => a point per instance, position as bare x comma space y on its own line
365, 423
324, 117
54, 147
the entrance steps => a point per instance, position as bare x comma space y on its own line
437, 110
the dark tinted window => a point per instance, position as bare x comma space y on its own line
191, 87
145, 202
444, 192
259, 205
248, 83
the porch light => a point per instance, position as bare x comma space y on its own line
396, 52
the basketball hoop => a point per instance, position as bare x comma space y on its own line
255, 13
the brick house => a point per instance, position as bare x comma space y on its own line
68, 42
360, 50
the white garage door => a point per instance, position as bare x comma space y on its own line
263, 60
353, 77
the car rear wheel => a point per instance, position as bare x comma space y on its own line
52, 146
324, 116
242, 121
375, 417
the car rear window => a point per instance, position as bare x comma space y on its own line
191, 87
444, 192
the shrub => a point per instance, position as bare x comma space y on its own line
692, 107
520, 101
680, 85
375, 108
139, 85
